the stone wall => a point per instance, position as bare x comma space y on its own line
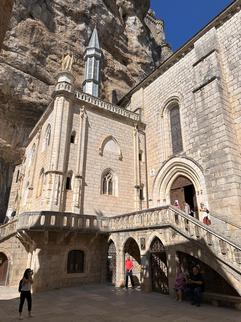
206, 84
86, 160
48, 259
18, 259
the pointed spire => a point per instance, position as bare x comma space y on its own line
92, 58
94, 40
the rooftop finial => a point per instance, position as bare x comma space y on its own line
94, 40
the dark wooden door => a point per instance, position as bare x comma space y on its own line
3, 268
111, 264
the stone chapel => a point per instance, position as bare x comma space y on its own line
101, 181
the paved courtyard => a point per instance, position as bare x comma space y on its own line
107, 304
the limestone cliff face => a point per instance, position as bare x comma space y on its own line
41, 31
5, 13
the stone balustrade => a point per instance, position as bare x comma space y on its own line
107, 106
63, 86
154, 218
55, 221
8, 229
186, 225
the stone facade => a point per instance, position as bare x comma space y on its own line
203, 79
92, 170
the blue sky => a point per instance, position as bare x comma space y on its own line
184, 18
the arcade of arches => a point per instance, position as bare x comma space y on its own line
156, 256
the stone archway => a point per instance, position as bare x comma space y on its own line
158, 265
183, 190
170, 171
3, 269
214, 281
131, 249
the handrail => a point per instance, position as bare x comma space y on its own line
205, 227
212, 214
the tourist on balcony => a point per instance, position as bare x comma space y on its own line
195, 286
176, 204
206, 219
186, 208
129, 267
25, 292
180, 284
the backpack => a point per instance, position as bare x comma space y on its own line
206, 221
20, 285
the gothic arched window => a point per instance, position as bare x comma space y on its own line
108, 184
72, 137
68, 185
40, 183
75, 263
32, 154
47, 137
176, 131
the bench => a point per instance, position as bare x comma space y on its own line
222, 300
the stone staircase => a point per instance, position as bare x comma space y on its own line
224, 249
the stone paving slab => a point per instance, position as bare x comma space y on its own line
107, 304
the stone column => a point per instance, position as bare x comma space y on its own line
79, 176
34, 176
146, 282
120, 267
171, 269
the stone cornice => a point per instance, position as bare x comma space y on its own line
218, 21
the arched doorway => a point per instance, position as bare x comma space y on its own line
183, 190
3, 268
131, 249
111, 264
158, 260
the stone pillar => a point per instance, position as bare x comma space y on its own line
146, 282
171, 269
120, 267
61, 138
79, 176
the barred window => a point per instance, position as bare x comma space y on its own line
75, 262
